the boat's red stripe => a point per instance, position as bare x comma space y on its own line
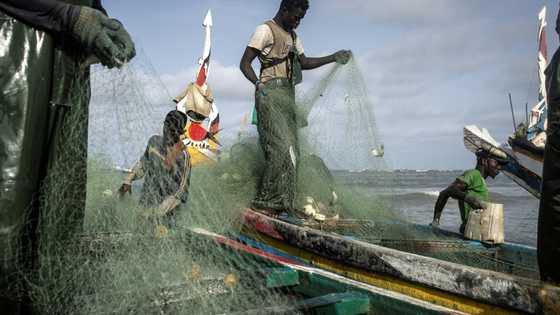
257, 222
254, 251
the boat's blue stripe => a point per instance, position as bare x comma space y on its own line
269, 249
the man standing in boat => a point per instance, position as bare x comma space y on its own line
166, 169
470, 188
548, 240
281, 55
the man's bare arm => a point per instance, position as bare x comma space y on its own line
308, 63
245, 64
455, 191
137, 172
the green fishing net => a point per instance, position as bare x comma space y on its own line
122, 263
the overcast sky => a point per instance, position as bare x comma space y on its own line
432, 66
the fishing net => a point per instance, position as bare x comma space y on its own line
122, 261
125, 262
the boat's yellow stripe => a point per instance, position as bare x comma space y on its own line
435, 296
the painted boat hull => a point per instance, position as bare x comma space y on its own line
310, 290
317, 281
464, 288
510, 258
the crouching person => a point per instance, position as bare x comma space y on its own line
165, 167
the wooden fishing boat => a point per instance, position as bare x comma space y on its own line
299, 287
384, 264
510, 258
319, 284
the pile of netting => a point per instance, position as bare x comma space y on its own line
124, 262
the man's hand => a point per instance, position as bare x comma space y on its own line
475, 202
125, 188
167, 206
259, 88
104, 37
343, 56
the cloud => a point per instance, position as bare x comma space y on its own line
402, 12
431, 80
233, 93
128, 105
227, 82
431, 67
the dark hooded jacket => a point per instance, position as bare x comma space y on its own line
44, 98
549, 211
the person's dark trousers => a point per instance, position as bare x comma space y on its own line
43, 153
25, 85
277, 127
549, 211
548, 238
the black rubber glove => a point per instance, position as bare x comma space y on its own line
103, 37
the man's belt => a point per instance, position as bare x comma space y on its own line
279, 82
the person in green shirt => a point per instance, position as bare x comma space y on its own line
470, 188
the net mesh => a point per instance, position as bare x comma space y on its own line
124, 263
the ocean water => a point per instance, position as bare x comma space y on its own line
414, 193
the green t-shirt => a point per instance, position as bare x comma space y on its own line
475, 185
